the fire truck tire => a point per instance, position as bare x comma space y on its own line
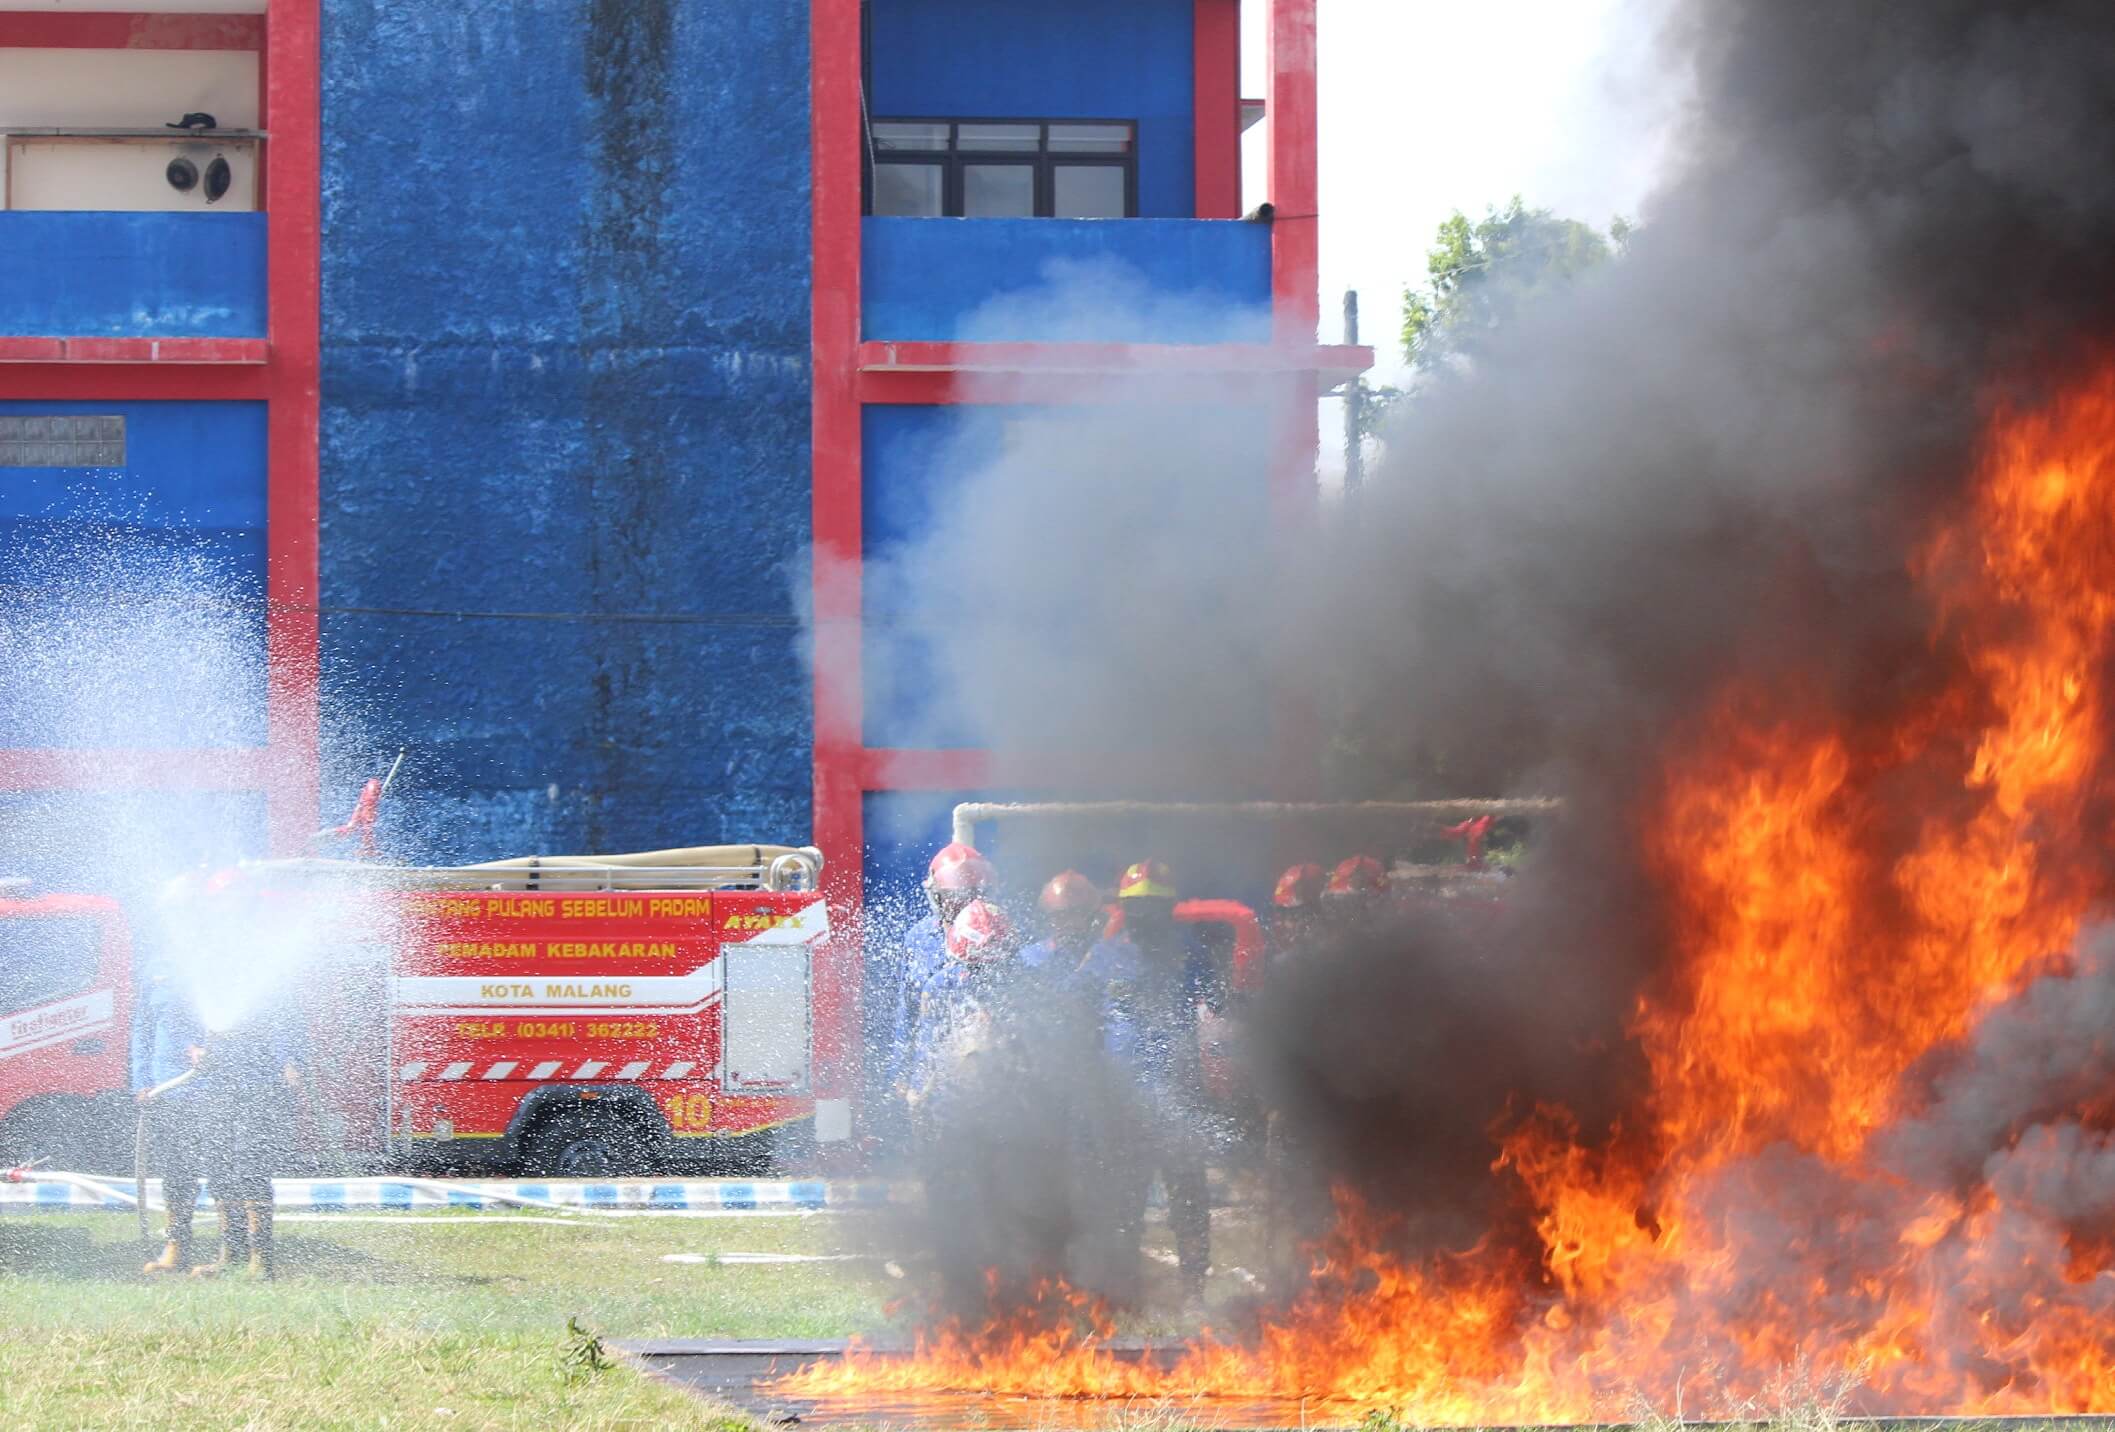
582, 1143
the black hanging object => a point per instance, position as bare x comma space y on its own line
196, 119
218, 178
182, 175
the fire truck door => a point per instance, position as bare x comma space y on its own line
764, 1038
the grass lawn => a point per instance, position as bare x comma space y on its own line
417, 1321
438, 1320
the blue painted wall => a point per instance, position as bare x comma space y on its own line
1072, 280
915, 459
566, 414
116, 275
1067, 476
183, 519
1084, 59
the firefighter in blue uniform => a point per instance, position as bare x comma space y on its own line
249, 1076
962, 1010
1150, 980
167, 1041
956, 876
1073, 922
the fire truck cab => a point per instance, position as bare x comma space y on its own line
65, 1013
589, 1016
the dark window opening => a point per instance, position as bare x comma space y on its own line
1002, 169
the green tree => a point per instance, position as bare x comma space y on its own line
1480, 274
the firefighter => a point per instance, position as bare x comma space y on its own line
958, 1017
1152, 978
167, 1042
957, 875
1297, 927
1073, 921
1353, 897
250, 1075
1298, 901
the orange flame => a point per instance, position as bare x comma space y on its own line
1820, 958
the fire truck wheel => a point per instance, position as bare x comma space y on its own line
576, 1143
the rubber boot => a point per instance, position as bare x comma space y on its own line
176, 1253
260, 1220
234, 1242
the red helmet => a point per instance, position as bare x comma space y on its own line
1149, 879
960, 869
1069, 893
1298, 887
1357, 875
980, 934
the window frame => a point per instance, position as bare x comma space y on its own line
954, 159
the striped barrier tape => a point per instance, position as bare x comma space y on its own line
73, 1193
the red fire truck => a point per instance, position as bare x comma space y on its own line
562, 1016
65, 1009
595, 1016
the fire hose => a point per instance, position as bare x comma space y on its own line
139, 1148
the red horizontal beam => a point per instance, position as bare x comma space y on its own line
111, 382
126, 30
246, 768
898, 769
1112, 358
926, 389
133, 350
1089, 373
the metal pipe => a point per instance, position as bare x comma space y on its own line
1354, 407
139, 1177
970, 814
167, 1084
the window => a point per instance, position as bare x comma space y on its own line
62, 441
1002, 169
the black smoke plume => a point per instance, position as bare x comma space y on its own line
1708, 461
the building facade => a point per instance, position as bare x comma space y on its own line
545, 375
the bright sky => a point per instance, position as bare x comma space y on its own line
1432, 105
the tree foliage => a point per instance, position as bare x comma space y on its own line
1480, 273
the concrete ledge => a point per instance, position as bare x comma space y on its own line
38, 349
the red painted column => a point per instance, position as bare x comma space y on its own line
1296, 312
1295, 243
1295, 258
293, 115
834, 188
264, 110
835, 183
1217, 108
